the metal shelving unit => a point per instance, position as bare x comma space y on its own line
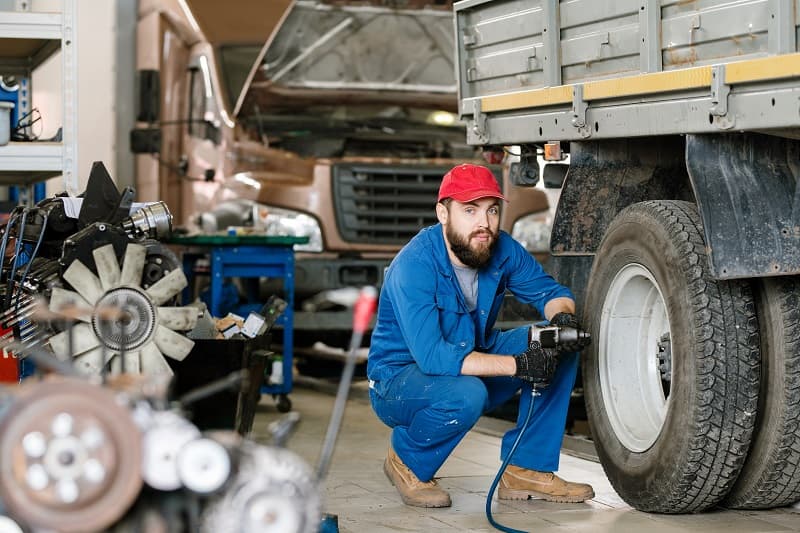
26, 40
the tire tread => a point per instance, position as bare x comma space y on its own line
771, 478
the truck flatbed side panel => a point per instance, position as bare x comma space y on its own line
708, 57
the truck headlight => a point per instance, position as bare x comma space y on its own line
533, 231
280, 221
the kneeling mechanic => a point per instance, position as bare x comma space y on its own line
436, 363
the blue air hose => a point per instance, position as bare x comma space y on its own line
492, 521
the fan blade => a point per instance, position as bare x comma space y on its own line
153, 362
59, 344
84, 281
105, 259
133, 265
172, 344
62, 299
168, 286
178, 318
132, 363
115, 367
91, 362
83, 338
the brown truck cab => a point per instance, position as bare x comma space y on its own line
338, 125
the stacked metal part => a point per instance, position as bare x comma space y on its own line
88, 288
83, 457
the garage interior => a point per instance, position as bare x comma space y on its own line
199, 201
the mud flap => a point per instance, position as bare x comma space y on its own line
746, 190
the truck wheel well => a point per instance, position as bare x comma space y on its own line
607, 176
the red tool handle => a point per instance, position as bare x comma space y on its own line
364, 309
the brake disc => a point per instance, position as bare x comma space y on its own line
71, 454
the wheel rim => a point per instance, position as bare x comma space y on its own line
634, 331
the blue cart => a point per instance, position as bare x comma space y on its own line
248, 256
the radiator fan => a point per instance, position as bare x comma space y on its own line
121, 323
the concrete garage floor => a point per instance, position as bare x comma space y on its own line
364, 500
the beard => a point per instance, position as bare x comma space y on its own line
476, 256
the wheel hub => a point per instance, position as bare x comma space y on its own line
633, 327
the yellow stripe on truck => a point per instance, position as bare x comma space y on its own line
656, 82
766, 68
533, 98
751, 70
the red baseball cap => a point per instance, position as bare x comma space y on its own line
465, 183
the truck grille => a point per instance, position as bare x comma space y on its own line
378, 204
384, 204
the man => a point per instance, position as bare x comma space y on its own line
436, 364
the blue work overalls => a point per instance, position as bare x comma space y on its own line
422, 335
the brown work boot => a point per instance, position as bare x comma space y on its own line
521, 484
412, 490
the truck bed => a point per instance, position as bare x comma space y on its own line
539, 70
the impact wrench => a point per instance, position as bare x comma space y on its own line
558, 337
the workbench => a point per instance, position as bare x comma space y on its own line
248, 256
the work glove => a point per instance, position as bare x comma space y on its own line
569, 320
565, 319
536, 364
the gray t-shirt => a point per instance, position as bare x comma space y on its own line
468, 280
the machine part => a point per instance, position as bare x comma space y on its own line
41, 274
131, 331
158, 262
73, 456
163, 439
145, 330
650, 277
7, 525
664, 355
525, 173
153, 220
59, 225
273, 492
771, 473
81, 245
123, 209
205, 328
101, 197
204, 466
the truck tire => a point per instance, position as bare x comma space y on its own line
671, 377
771, 473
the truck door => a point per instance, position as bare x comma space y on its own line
202, 137
163, 46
